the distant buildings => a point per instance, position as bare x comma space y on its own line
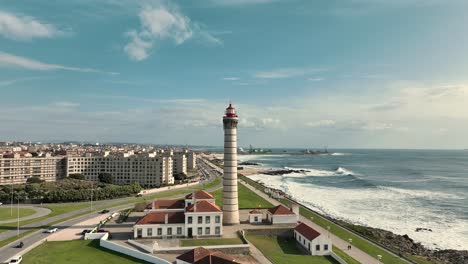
147, 168
196, 216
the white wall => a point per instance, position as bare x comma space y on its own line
155, 227
284, 219
252, 218
321, 240
132, 252
212, 225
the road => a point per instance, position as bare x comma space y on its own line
9, 251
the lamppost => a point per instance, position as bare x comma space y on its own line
379, 258
312, 219
17, 220
350, 240
328, 228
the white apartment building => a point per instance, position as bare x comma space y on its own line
148, 170
180, 163
19, 167
196, 216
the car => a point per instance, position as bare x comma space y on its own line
85, 231
1, 203
139, 195
51, 230
15, 259
105, 211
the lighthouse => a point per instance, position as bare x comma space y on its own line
230, 199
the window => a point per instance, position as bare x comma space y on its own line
217, 230
159, 231
207, 219
169, 231
317, 247
217, 219
207, 231
256, 218
325, 247
179, 231
149, 232
200, 231
200, 219
189, 219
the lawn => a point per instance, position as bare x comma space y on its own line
5, 213
210, 242
280, 251
210, 185
247, 198
78, 251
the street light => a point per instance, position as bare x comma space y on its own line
350, 240
328, 228
379, 257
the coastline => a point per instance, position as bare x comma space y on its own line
401, 245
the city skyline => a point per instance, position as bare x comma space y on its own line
343, 74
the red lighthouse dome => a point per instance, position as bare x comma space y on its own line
231, 111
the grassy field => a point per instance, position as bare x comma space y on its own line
281, 251
210, 185
247, 198
71, 252
5, 213
210, 242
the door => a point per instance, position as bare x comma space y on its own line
189, 233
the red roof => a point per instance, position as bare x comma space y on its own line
255, 211
307, 231
199, 195
202, 255
203, 206
169, 204
160, 217
280, 210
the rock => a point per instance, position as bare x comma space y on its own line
248, 163
283, 172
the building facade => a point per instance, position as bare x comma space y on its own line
19, 167
191, 160
313, 241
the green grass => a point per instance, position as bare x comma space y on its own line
78, 251
210, 185
281, 251
210, 242
247, 198
344, 256
5, 213
419, 259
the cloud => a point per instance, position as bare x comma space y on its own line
284, 73
321, 123
161, 22
13, 61
231, 78
66, 104
20, 27
315, 79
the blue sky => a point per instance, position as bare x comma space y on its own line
342, 73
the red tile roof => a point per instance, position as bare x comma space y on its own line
280, 210
307, 231
160, 217
202, 255
203, 206
255, 211
168, 204
201, 194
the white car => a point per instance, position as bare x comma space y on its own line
52, 230
1, 203
15, 259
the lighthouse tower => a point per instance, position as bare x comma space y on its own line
230, 200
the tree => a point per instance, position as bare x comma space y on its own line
105, 177
77, 176
140, 207
34, 179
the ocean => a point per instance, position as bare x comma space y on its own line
396, 190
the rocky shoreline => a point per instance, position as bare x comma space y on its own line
283, 172
407, 246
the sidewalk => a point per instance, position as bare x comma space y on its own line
356, 253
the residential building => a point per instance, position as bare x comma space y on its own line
316, 244
191, 160
195, 216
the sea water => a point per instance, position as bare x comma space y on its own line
396, 190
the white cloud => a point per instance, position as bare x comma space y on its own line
13, 61
66, 104
231, 78
321, 123
20, 27
160, 22
315, 79
284, 73
241, 2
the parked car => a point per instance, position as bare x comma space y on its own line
51, 230
20, 245
15, 259
1, 203
105, 211
85, 231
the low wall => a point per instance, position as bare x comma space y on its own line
89, 236
281, 232
139, 245
131, 252
337, 258
228, 249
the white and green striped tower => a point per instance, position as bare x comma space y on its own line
230, 198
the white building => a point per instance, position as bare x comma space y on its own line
315, 243
202, 255
191, 160
195, 216
180, 163
282, 215
255, 217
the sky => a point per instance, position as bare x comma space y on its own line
307, 74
